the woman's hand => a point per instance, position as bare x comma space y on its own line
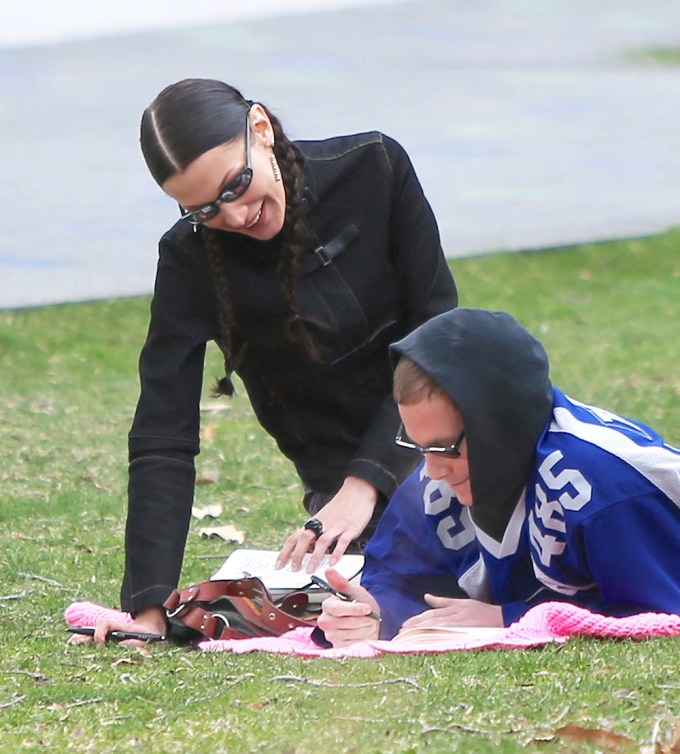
149, 621
456, 612
344, 517
343, 622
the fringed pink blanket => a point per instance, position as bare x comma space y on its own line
551, 622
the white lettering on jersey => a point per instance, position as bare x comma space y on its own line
584, 491
437, 497
613, 420
550, 512
455, 530
575, 492
546, 544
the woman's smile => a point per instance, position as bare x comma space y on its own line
259, 212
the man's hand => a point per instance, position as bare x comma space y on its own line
344, 622
344, 517
149, 621
456, 612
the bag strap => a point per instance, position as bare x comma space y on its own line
249, 596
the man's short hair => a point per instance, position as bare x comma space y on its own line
412, 384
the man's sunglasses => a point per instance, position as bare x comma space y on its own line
230, 193
450, 451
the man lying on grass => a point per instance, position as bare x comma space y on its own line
525, 495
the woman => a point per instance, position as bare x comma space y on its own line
303, 261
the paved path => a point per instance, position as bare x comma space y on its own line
530, 122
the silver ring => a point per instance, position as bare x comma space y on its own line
314, 525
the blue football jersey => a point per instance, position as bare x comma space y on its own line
598, 525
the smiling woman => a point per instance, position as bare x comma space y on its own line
218, 172
303, 261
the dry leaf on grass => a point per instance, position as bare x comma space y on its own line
666, 741
228, 533
208, 477
122, 661
604, 738
214, 408
207, 511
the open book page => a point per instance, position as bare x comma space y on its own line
260, 563
449, 633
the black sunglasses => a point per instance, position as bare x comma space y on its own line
450, 451
230, 193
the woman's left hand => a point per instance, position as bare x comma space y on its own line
344, 517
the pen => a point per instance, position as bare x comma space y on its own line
117, 635
340, 595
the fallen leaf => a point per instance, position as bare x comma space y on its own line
208, 477
675, 739
597, 736
668, 740
228, 533
207, 511
214, 408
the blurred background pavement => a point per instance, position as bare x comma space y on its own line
531, 123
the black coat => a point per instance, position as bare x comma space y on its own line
332, 419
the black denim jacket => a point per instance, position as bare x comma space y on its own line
331, 419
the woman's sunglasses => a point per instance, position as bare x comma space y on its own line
230, 193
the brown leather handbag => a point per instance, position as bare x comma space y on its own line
234, 609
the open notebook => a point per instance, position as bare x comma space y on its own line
260, 563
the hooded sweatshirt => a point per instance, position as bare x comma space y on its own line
569, 502
497, 375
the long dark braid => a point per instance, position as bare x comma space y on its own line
296, 329
214, 254
293, 236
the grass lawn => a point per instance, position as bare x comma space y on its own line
608, 316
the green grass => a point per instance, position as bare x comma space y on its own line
608, 315
665, 56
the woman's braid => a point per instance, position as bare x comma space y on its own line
293, 236
213, 248
296, 329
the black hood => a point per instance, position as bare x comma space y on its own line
497, 374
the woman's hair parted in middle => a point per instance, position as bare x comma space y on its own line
183, 122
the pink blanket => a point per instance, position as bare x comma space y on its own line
550, 622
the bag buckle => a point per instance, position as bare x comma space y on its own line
183, 600
223, 618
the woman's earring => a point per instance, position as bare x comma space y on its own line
275, 167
